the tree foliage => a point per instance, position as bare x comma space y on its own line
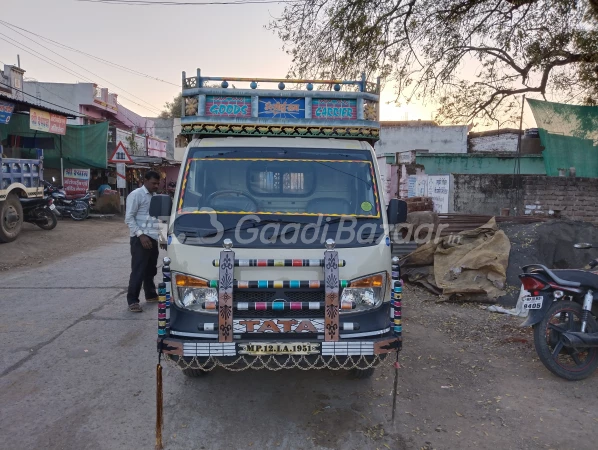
472, 57
172, 109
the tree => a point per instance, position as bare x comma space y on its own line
472, 57
172, 109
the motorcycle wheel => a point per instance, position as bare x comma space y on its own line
80, 212
50, 217
569, 363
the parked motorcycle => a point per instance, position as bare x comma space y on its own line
562, 310
76, 208
39, 211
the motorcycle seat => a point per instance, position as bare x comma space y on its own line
75, 197
585, 278
32, 201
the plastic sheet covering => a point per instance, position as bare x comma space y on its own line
569, 134
83, 146
471, 265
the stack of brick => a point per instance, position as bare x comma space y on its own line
419, 204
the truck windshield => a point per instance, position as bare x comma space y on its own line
276, 185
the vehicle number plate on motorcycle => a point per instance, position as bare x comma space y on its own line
532, 302
278, 348
52, 207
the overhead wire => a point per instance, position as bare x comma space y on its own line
97, 58
71, 71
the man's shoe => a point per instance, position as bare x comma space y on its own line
152, 300
135, 307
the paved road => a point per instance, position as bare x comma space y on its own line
77, 371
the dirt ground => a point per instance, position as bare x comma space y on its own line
37, 247
469, 379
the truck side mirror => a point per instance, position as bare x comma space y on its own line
396, 211
160, 206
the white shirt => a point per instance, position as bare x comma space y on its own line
137, 216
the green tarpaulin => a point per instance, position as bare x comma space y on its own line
83, 146
569, 134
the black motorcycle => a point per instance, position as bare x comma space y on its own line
77, 208
563, 306
39, 211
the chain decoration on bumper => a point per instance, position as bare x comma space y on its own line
272, 362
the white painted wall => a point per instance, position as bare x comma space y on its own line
411, 136
65, 97
506, 142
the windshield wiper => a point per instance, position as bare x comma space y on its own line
254, 223
334, 220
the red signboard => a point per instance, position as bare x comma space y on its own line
76, 181
57, 124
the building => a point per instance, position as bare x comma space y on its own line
408, 137
93, 105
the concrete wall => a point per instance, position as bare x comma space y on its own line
504, 142
480, 164
483, 194
401, 137
67, 97
164, 130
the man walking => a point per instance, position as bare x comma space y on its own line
144, 242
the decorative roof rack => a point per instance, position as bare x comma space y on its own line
352, 113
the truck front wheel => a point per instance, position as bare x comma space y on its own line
11, 218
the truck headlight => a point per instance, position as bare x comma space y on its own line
367, 292
194, 293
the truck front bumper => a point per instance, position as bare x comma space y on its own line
280, 354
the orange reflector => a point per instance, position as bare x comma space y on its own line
373, 281
347, 305
189, 281
210, 305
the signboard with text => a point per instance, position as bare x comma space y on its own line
281, 108
217, 106
333, 109
438, 191
48, 122
76, 181
6, 109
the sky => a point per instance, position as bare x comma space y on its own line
160, 41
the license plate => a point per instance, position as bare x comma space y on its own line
52, 207
278, 348
532, 302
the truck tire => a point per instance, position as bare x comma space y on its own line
11, 218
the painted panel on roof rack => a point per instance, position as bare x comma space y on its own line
282, 108
334, 109
228, 106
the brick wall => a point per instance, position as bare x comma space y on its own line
571, 198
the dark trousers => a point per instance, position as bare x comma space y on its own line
144, 268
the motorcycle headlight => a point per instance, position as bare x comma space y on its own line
194, 293
367, 292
